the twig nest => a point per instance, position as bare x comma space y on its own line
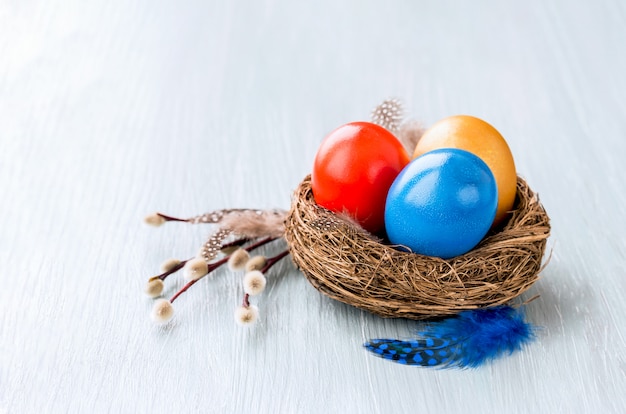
348, 264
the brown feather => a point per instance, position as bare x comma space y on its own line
256, 223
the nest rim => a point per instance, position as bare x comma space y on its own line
348, 264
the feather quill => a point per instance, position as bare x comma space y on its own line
467, 340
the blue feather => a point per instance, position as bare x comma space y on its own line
467, 340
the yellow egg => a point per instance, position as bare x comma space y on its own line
483, 140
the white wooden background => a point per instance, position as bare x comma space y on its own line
113, 109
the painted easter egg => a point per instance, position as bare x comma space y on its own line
483, 140
353, 170
442, 204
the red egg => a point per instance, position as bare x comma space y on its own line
354, 167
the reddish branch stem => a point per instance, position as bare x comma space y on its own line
272, 261
259, 243
236, 243
215, 265
170, 218
212, 267
174, 269
268, 265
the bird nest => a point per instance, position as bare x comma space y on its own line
348, 264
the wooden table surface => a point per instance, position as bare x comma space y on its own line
110, 110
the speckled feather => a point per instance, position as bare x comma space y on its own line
467, 340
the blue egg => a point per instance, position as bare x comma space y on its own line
441, 204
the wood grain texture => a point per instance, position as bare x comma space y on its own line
112, 109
